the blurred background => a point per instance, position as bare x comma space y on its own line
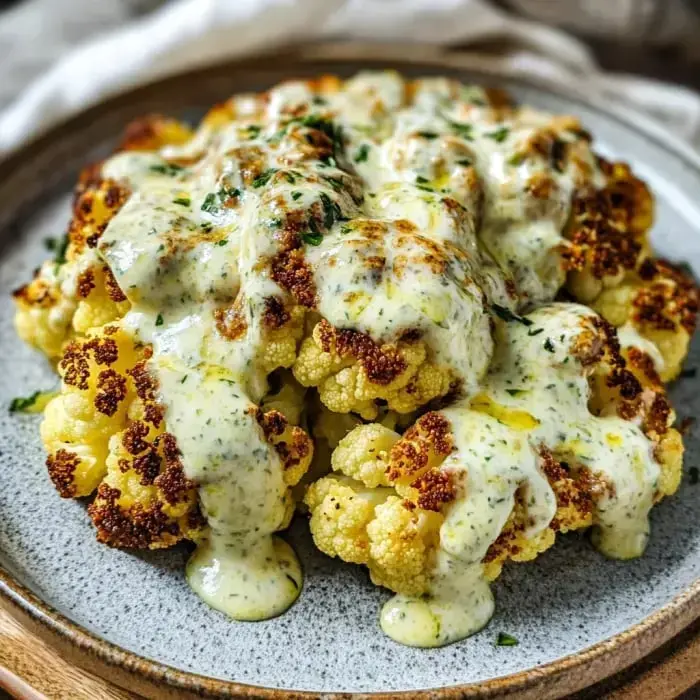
595, 44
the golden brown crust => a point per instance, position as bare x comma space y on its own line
61, 467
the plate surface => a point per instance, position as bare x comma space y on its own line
568, 600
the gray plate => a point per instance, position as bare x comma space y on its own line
567, 600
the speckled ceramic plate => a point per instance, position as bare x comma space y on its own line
131, 616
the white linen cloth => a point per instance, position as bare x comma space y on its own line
186, 33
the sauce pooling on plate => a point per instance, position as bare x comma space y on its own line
396, 216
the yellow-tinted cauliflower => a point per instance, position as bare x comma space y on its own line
353, 373
388, 496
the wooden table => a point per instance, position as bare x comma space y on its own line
33, 671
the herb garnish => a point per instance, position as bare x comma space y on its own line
22, 404
362, 153
506, 314
183, 201
430, 135
535, 331
464, 131
264, 177
500, 135
549, 345
222, 242
515, 392
159, 320
214, 200
506, 640
170, 169
422, 180
296, 195
312, 238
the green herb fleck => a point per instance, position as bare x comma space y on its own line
159, 320
183, 201
422, 180
170, 169
506, 314
253, 130
60, 246
506, 640
515, 392
362, 153
535, 331
264, 177
516, 159
430, 135
465, 162
549, 345
500, 135
209, 204
465, 131
296, 195
222, 242
23, 404
312, 238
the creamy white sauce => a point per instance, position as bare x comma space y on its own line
535, 394
437, 196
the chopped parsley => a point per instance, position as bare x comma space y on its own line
506, 640
183, 201
170, 169
311, 237
535, 331
465, 131
59, 246
515, 392
22, 404
296, 195
331, 211
549, 345
253, 130
159, 320
362, 153
506, 314
214, 200
465, 162
516, 159
422, 180
694, 475
430, 135
500, 135
222, 242
264, 177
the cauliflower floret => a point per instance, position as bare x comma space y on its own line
44, 312
352, 372
661, 303
281, 343
145, 499
293, 445
101, 301
340, 510
92, 406
402, 545
364, 454
607, 232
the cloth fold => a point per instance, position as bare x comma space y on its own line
189, 33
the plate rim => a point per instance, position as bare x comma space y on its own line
589, 665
